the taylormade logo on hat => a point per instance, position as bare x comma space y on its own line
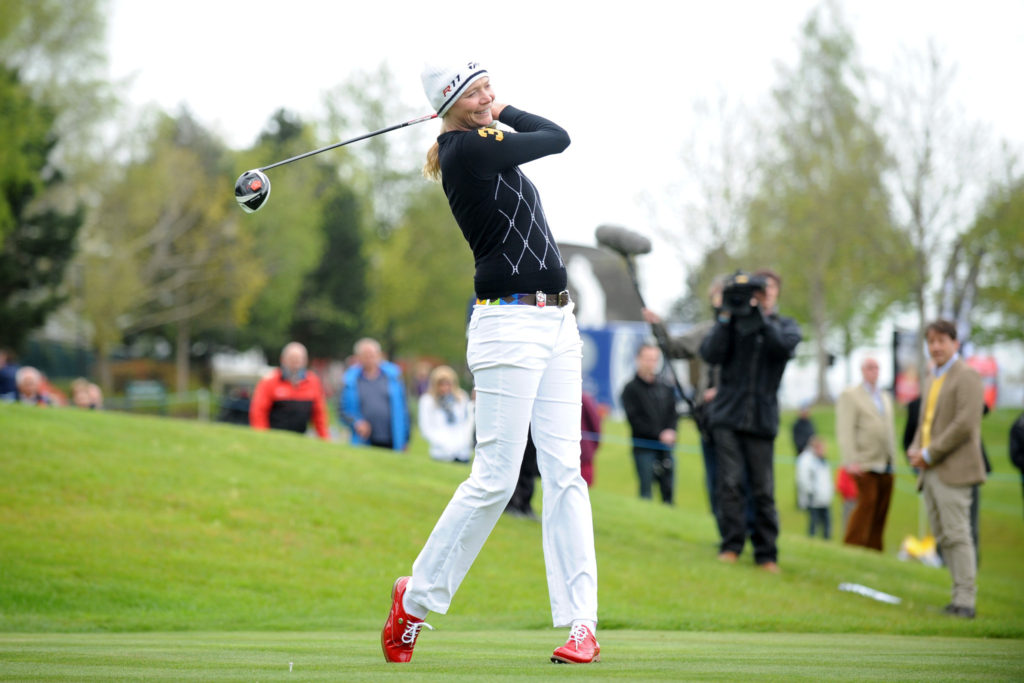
444, 85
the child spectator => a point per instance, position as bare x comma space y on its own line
814, 486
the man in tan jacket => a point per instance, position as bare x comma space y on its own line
947, 451
867, 444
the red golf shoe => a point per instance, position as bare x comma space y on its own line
581, 648
400, 630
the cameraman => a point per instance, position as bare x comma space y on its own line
752, 345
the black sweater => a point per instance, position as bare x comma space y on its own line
498, 208
650, 408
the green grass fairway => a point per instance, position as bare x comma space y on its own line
136, 547
503, 655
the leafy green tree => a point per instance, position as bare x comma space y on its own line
167, 233
287, 233
996, 244
329, 314
36, 239
389, 165
821, 215
421, 282
58, 49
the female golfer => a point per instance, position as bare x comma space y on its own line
524, 351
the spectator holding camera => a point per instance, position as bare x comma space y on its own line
752, 344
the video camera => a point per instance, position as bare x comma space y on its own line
738, 292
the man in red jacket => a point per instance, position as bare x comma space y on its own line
290, 397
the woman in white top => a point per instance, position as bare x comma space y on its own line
446, 417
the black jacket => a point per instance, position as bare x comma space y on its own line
650, 408
751, 371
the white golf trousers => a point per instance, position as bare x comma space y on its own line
526, 366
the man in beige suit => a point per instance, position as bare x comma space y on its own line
947, 451
867, 444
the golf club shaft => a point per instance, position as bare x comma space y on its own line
421, 119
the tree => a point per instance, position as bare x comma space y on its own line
287, 233
59, 52
168, 235
329, 315
720, 180
937, 172
821, 213
996, 247
36, 240
421, 282
389, 168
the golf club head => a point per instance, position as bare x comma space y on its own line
251, 190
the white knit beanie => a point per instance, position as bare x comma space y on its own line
445, 84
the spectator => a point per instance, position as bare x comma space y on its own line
814, 487
703, 379
913, 417
421, 377
290, 397
803, 429
30, 387
867, 445
650, 407
753, 344
1017, 446
591, 437
85, 394
373, 399
446, 417
947, 452
8, 372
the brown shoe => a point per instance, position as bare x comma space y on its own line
728, 557
770, 567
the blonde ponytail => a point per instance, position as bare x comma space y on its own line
432, 169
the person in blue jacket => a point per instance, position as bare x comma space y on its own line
373, 399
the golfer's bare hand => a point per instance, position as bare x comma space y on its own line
650, 316
362, 428
667, 437
496, 109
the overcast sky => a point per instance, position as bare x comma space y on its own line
620, 77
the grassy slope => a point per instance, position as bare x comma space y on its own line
120, 523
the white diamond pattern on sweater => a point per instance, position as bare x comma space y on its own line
527, 226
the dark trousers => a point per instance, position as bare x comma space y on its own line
528, 473
738, 455
655, 465
866, 525
707, 447
820, 517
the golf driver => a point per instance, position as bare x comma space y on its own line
253, 187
